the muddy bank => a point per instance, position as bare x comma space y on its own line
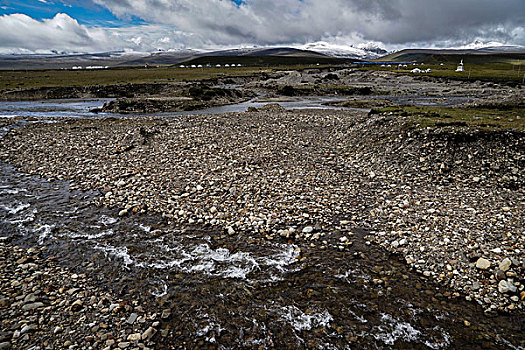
448, 200
96, 91
189, 99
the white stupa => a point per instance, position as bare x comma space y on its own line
460, 67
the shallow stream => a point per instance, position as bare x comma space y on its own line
81, 108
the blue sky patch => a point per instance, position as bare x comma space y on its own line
84, 11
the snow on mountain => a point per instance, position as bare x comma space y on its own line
361, 51
491, 46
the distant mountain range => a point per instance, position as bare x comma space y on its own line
480, 55
318, 52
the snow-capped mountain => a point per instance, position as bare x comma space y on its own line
361, 51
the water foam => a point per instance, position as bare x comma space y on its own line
221, 262
116, 252
92, 236
106, 220
17, 209
44, 232
7, 190
395, 330
301, 321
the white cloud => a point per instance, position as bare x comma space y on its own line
209, 24
21, 33
284, 21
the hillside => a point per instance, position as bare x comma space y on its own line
481, 56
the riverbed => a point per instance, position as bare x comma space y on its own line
227, 289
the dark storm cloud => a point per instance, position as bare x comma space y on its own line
394, 23
388, 21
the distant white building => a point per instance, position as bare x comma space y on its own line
460, 67
417, 70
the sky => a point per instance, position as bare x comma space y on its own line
43, 26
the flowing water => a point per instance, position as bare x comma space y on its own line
81, 108
236, 291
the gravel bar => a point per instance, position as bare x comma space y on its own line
449, 200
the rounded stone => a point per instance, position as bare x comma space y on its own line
482, 264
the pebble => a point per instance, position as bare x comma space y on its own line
367, 169
506, 287
32, 306
132, 318
505, 264
483, 264
150, 332
134, 337
308, 229
61, 315
77, 305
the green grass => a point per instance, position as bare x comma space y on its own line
498, 67
491, 72
501, 118
430, 57
10, 80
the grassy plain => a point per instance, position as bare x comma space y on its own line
512, 72
64, 78
482, 118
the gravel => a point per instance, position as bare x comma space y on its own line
441, 198
45, 304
